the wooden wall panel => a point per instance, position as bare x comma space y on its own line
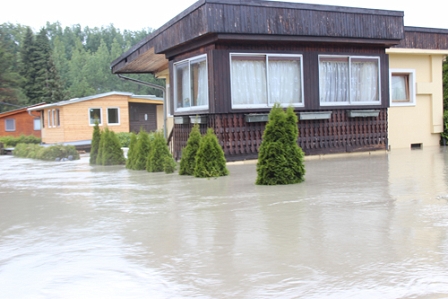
24, 125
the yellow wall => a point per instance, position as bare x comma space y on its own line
423, 122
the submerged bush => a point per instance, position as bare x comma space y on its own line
124, 138
95, 144
130, 161
210, 160
48, 153
110, 152
280, 159
159, 154
142, 150
188, 160
10, 141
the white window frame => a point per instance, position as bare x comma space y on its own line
268, 104
10, 120
412, 95
118, 115
190, 61
350, 102
101, 116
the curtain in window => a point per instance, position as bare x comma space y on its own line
184, 97
284, 81
364, 81
399, 88
199, 83
333, 81
249, 81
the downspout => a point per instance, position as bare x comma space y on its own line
155, 86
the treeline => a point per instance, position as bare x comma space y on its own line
56, 63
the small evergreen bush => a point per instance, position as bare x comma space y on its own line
49, 153
130, 161
210, 160
142, 150
188, 160
95, 144
169, 165
110, 152
124, 138
280, 159
158, 154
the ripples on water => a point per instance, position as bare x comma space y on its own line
363, 226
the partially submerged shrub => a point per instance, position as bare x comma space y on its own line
142, 150
95, 144
280, 159
169, 165
10, 141
210, 160
110, 152
47, 153
188, 160
130, 161
159, 154
124, 138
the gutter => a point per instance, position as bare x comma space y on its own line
155, 86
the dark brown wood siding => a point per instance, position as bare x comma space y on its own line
142, 116
424, 38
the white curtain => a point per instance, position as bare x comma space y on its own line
333, 81
201, 83
185, 96
364, 81
249, 82
399, 88
284, 81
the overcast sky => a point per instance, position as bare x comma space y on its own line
137, 14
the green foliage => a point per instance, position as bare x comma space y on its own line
445, 84
444, 134
110, 152
158, 154
169, 165
10, 141
210, 160
125, 138
95, 144
188, 161
130, 161
142, 150
280, 159
50, 153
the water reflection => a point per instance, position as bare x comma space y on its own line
370, 226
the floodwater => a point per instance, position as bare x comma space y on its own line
362, 226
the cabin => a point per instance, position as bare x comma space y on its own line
19, 122
72, 121
227, 62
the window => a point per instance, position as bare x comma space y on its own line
113, 117
95, 116
191, 84
10, 124
36, 123
49, 118
349, 80
402, 91
53, 118
261, 80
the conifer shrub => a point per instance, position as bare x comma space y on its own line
95, 144
110, 152
158, 154
169, 164
142, 150
280, 159
188, 160
130, 161
210, 160
125, 138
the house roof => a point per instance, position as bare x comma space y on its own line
209, 21
19, 110
132, 98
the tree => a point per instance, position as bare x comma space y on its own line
142, 150
159, 154
210, 160
10, 81
280, 159
188, 160
130, 161
96, 137
110, 152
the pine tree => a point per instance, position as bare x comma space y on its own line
95, 144
210, 160
142, 150
10, 81
280, 159
158, 154
110, 152
188, 160
130, 161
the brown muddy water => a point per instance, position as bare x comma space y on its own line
360, 226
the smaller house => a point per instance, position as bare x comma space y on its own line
20, 122
73, 120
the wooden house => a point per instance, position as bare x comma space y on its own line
227, 62
20, 122
73, 120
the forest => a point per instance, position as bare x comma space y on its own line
56, 64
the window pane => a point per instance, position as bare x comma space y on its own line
284, 80
57, 121
95, 115
364, 81
112, 116
333, 80
37, 124
49, 118
199, 82
249, 81
182, 86
10, 124
400, 88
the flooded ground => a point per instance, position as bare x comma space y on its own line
362, 226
